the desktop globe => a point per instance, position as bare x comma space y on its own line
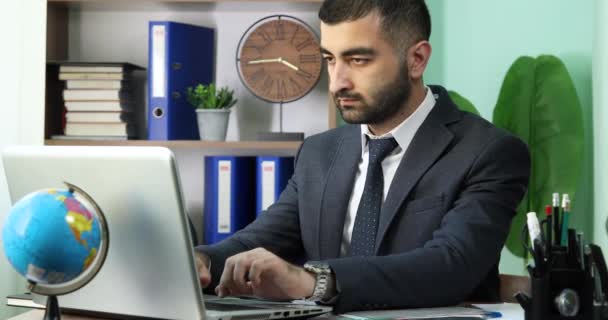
57, 239
50, 237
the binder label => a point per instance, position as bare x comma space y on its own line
158, 61
223, 196
268, 184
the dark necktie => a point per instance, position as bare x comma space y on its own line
363, 238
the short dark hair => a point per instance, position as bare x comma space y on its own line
404, 22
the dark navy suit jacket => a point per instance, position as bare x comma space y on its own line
442, 226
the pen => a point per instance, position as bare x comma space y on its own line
573, 254
548, 226
581, 249
556, 226
597, 283
565, 218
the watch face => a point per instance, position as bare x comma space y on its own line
279, 59
317, 267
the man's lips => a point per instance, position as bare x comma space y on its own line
347, 101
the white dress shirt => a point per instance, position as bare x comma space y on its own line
403, 134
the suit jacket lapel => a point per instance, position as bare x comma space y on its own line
428, 144
336, 195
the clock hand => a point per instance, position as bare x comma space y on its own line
279, 60
263, 61
285, 62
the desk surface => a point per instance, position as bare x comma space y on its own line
509, 311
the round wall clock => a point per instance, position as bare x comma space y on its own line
278, 59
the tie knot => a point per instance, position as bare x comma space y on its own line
380, 148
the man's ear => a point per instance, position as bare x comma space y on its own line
418, 57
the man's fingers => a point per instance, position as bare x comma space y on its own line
205, 277
259, 270
226, 281
241, 274
202, 266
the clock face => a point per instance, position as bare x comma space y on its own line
279, 59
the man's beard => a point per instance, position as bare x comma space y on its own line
385, 102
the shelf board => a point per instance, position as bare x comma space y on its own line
217, 145
178, 1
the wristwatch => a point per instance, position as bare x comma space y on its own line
325, 280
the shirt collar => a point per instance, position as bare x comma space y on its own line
403, 133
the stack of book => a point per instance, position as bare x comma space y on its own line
99, 101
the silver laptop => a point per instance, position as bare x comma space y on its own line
149, 270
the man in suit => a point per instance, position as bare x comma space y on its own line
408, 206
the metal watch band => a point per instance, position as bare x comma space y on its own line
323, 275
320, 287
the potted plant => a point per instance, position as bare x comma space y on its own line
212, 109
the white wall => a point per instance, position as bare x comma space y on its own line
93, 27
22, 90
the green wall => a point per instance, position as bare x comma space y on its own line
600, 118
476, 41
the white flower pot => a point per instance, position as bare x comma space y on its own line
213, 123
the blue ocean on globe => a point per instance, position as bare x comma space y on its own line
50, 237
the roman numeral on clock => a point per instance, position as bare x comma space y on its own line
296, 86
251, 46
281, 89
293, 36
265, 37
257, 75
303, 74
309, 58
280, 31
267, 85
304, 44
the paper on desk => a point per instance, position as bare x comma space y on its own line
424, 313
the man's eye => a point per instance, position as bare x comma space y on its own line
329, 59
359, 61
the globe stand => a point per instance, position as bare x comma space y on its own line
280, 136
52, 309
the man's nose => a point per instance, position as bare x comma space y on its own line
339, 78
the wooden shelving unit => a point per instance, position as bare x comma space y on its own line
57, 50
217, 145
178, 1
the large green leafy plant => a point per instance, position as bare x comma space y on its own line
538, 103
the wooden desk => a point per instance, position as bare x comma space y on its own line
39, 314
510, 311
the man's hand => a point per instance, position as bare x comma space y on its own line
202, 266
261, 273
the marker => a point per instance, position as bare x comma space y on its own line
549, 227
565, 218
533, 227
539, 257
556, 225
538, 247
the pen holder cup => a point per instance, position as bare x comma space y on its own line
563, 292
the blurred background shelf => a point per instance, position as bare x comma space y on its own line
177, 1
217, 145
